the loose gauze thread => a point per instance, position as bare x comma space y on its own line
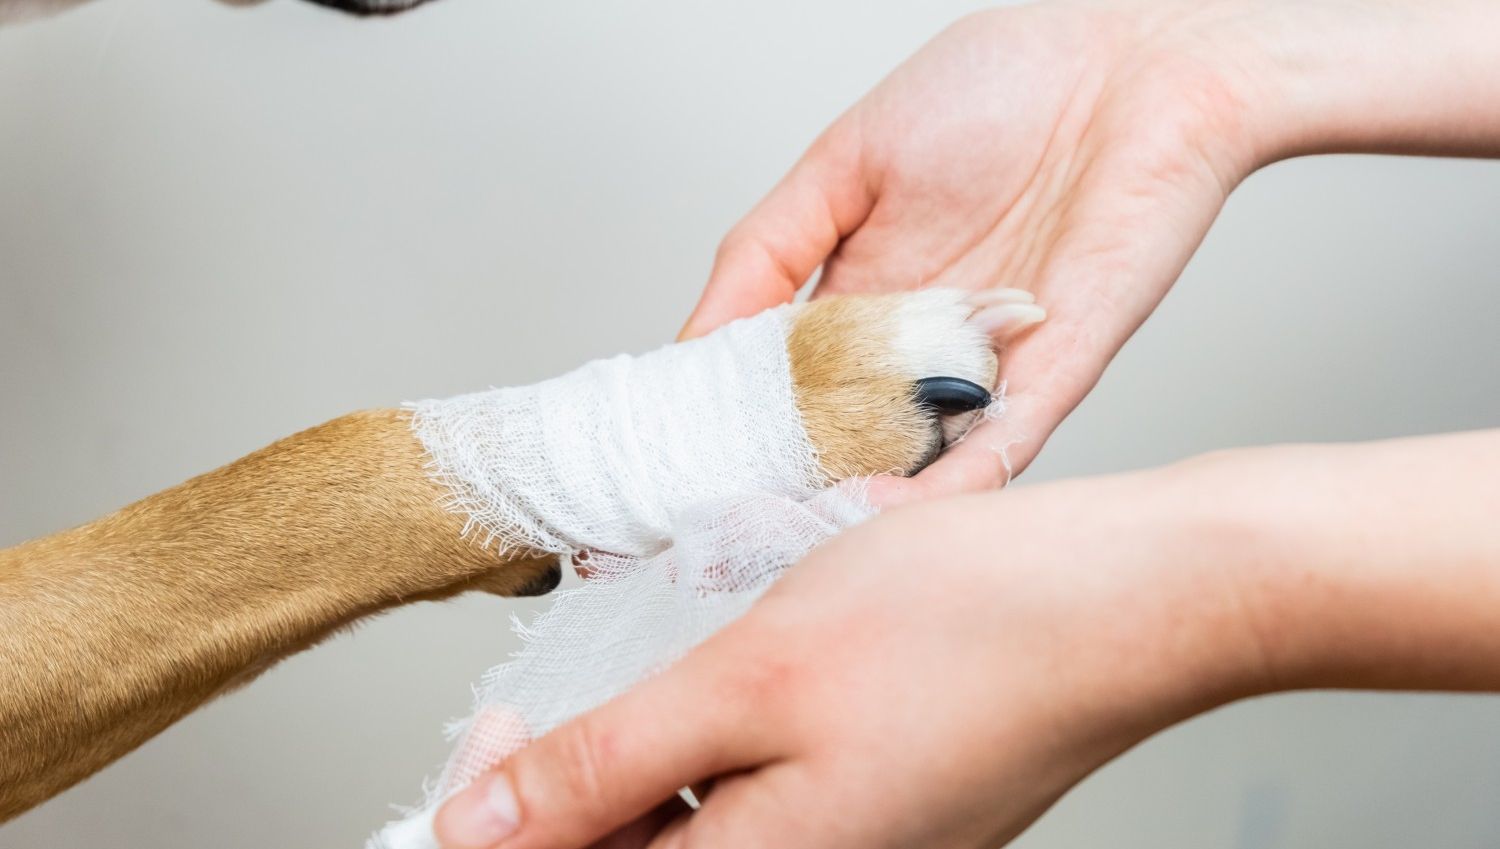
687, 475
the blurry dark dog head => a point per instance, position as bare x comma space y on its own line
18, 11
370, 7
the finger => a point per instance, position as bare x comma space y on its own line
772, 252
608, 767
694, 794
639, 833
777, 807
988, 457
671, 836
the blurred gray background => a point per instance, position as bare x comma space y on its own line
220, 225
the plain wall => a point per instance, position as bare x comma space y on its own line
220, 225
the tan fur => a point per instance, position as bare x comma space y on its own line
111, 632
856, 401
115, 630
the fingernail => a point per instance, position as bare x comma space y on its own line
481, 816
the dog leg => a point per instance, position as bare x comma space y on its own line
111, 632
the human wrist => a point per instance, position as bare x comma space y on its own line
1278, 518
1379, 565
1204, 544
1288, 78
1375, 77
1153, 562
1367, 566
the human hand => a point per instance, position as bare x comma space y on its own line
1081, 151
1076, 151
938, 676
944, 699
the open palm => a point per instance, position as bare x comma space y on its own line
1076, 151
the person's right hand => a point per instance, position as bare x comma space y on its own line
938, 676
1080, 150
993, 650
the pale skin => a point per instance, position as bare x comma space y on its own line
1080, 151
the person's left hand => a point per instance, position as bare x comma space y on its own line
993, 651
1078, 151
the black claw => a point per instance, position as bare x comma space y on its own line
949, 395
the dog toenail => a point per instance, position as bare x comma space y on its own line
950, 395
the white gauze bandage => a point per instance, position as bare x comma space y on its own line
688, 477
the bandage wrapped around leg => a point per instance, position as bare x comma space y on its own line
686, 474
689, 477
607, 457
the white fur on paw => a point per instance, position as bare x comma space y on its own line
935, 338
952, 333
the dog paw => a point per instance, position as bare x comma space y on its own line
884, 382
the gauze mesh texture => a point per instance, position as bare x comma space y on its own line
687, 476
605, 457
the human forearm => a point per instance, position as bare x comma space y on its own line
1376, 76
1378, 565
1241, 573
1249, 571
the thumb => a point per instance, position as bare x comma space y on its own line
609, 767
772, 252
